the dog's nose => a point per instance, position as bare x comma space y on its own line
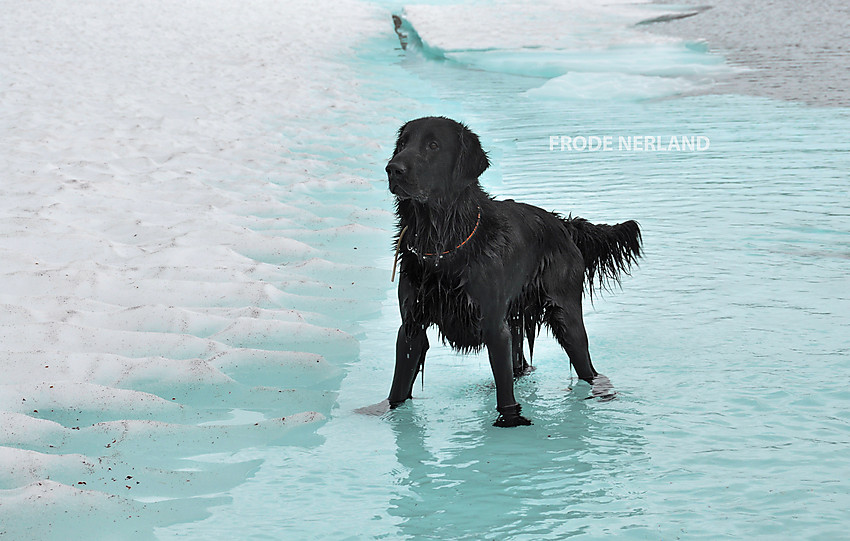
395, 172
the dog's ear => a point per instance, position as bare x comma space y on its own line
398, 138
472, 161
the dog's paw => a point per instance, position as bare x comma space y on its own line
375, 409
524, 371
513, 420
602, 389
509, 416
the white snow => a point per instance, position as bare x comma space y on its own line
172, 244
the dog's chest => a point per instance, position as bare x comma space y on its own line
441, 299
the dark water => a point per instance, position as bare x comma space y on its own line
791, 50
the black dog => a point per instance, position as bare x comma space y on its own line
486, 272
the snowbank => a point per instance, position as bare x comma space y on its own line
171, 248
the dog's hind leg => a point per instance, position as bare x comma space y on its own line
564, 317
520, 365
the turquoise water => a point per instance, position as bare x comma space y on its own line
728, 346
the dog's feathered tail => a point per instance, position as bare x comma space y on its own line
609, 251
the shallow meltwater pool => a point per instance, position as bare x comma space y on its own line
727, 346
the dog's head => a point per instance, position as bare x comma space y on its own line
434, 158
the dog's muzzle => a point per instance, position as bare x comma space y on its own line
396, 174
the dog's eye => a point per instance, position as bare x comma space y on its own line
401, 145
433, 145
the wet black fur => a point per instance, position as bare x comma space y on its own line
521, 268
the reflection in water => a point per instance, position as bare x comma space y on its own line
542, 480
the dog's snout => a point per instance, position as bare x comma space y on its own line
395, 171
396, 174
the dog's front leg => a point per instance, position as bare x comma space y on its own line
497, 338
409, 358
